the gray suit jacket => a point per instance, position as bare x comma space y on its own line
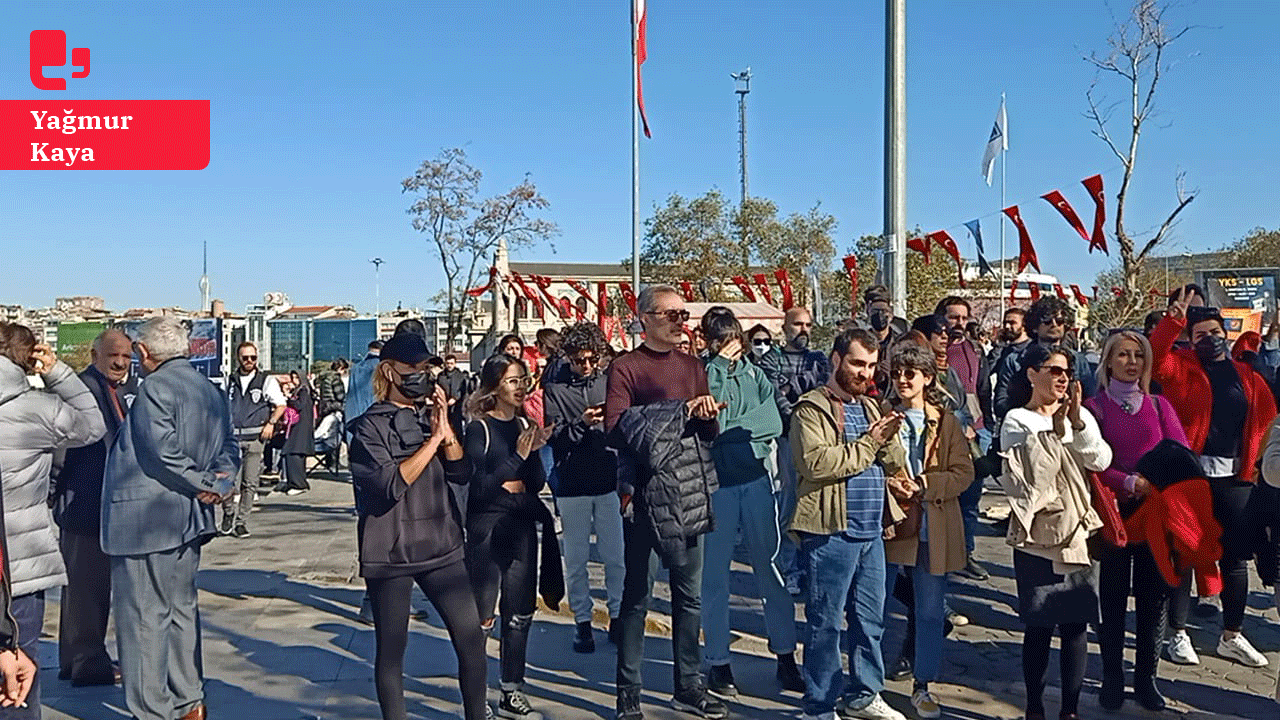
175, 438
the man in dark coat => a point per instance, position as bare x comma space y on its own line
86, 599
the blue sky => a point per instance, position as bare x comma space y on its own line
320, 109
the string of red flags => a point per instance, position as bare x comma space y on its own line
943, 240
851, 267
744, 287
784, 284
1099, 239
582, 290
763, 284
1060, 203
1026, 251
478, 291
1080, 296
1062, 292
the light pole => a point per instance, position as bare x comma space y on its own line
377, 288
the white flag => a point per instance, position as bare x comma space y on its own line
998, 142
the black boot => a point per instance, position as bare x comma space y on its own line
584, 641
720, 681
1144, 678
1111, 695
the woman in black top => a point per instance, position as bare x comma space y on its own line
403, 452
502, 512
301, 438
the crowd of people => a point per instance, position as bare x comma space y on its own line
851, 476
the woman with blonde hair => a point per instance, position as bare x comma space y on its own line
1132, 421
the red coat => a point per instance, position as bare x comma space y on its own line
1184, 383
1177, 523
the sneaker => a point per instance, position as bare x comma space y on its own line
281, 488
956, 619
628, 704
291, 492
973, 571
227, 524
488, 711
901, 668
1242, 651
699, 702
924, 704
240, 531
515, 705
1180, 651
788, 674
877, 709
584, 641
720, 682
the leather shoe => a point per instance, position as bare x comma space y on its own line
196, 713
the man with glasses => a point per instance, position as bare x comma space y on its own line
660, 392
257, 402
1047, 321
586, 477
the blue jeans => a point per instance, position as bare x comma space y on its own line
789, 559
749, 507
928, 614
28, 613
845, 576
970, 498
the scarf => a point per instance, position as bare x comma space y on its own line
1127, 395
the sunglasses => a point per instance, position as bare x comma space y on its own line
524, 381
248, 357
672, 316
761, 342
1055, 370
584, 360
904, 373
1054, 321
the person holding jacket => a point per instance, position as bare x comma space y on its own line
34, 424
403, 456
1132, 422
1048, 444
745, 502
503, 515
939, 470
1225, 407
587, 477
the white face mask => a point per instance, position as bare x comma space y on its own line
759, 348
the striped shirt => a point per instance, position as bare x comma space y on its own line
864, 492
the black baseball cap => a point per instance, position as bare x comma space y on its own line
407, 348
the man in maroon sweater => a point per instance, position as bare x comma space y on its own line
656, 372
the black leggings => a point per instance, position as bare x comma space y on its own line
1230, 503
449, 590
1119, 566
1073, 656
504, 558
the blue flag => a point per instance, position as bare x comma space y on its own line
976, 231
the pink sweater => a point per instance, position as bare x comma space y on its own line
1132, 436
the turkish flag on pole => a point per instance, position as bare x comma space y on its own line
784, 282
762, 282
920, 245
638, 25
1094, 186
851, 267
1026, 251
1056, 199
944, 240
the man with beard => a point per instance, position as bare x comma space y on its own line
86, 599
845, 450
257, 404
794, 371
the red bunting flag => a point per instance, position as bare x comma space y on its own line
1035, 290
686, 288
639, 21
582, 289
944, 240
1080, 296
628, 297
762, 282
1062, 292
1013, 291
784, 283
1094, 186
478, 291
529, 294
920, 245
745, 287
543, 282
851, 267
1026, 251
1059, 202
602, 304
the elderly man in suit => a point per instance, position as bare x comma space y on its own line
174, 458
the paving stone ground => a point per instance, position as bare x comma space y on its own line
282, 641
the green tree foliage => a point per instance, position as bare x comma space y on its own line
926, 283
1259, 249
464, 230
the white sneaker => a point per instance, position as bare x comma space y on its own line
1242, 651
877, 709
1181, 651
925, 705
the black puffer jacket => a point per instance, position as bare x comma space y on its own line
585, 465
669, 465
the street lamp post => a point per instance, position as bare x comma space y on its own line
377, 289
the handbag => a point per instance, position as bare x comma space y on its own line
1104, 503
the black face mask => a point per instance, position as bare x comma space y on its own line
415, 385
1210, 348
879, 319
801, 341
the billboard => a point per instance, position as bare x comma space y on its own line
1246, 296
75, 341
204, 345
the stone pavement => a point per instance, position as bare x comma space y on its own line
282, 642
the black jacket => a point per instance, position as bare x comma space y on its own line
662, 456
77, 482
404, 529
585, 464
302, 436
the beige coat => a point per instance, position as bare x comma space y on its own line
824, 461
948, 472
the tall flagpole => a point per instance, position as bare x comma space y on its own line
1004, 155
635, 162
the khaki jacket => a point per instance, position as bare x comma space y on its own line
948, 472
824, 461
